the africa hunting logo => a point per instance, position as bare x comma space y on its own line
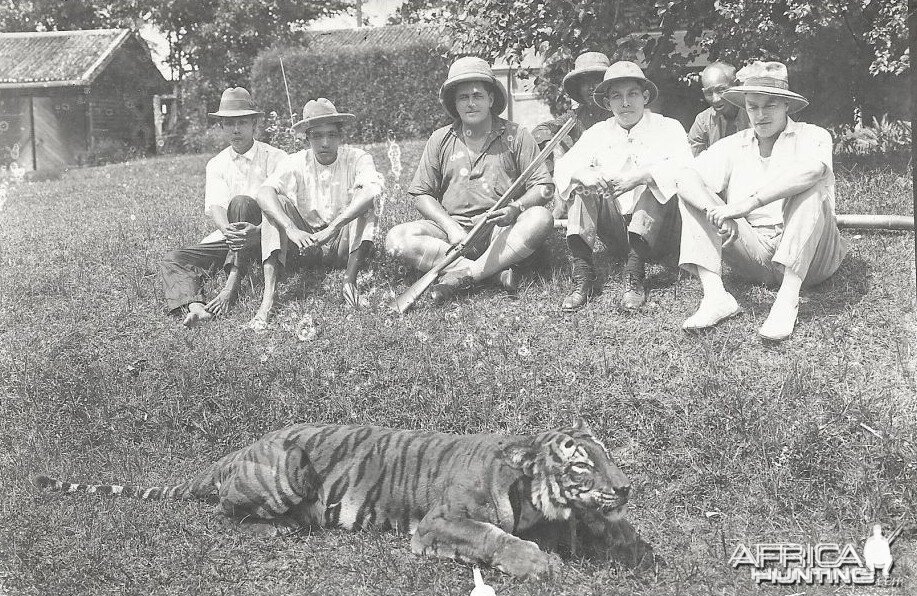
783, 563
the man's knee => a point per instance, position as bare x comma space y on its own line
173, 257
244, 208
537, 220
396, 240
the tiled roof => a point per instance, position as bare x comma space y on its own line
56, 58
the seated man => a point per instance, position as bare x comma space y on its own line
620, 177
464, 170
579, 85
319, 196
777, 223
722, 118
233, 178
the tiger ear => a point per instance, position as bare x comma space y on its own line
581, 425
520, 455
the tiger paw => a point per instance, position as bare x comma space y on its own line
522, 558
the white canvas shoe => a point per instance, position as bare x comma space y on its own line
780, 322
712, 311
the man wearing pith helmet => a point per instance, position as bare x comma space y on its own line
322, 196
579, 85
777, 222
620, 181
232, 181
722, 118
464, 169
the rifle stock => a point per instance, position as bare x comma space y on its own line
416, 290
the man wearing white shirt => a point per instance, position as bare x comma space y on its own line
320, 196
777, 223
233, 178
620, 177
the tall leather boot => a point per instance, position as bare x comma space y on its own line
634, 275
584, 284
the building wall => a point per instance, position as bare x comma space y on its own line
122, 105
15, 131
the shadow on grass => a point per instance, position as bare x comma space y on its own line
843, 290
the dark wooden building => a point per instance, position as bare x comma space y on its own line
75, 97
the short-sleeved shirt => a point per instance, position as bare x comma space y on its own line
467, 184
734, 165
710, 126
230, 173
545, 131
655, 142
319, 192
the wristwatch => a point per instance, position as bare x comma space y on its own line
518, 205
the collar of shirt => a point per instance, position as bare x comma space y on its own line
497, 128
642, 127
247, 156
751, 139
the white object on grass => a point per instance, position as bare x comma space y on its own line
480, 588
877, 552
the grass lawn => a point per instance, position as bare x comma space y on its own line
726, 439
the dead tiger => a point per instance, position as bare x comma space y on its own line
484, 499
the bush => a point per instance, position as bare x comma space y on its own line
882, 138
277, 132
394, 92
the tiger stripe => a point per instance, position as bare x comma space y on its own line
362, 476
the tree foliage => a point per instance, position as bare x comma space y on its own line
735, 30
54, 15
391, 90
218, 39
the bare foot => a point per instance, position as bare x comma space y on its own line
197, 313
259, 321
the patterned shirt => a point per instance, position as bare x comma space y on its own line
735, 165
467, 184
322, 192
710, 126
230, 173
655, 142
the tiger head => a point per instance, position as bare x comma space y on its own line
571, 469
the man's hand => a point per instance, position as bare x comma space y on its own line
506, 216
300, 238
455, 233
241, 235
717, 215
591, 179
728, 232
621, 183
324, 236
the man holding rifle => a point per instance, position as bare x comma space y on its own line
465, 168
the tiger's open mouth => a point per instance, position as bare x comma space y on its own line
610, 502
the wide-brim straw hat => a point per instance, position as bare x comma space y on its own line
620, 71
321, 111
235, 102
768, 78
588, 63
465, 70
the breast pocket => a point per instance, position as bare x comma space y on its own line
509, 165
